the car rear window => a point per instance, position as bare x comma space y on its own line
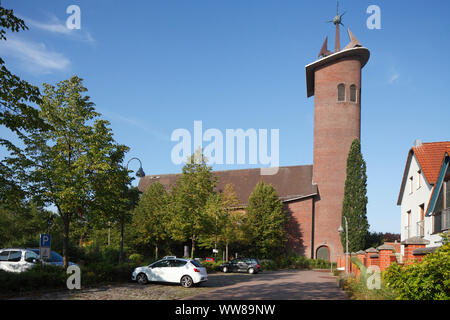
177, 263
4, 255
196, 263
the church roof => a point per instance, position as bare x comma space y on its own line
291, 182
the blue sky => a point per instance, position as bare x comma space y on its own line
154, 66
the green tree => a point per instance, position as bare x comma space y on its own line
151, 217
16, 114
232, 220
224, 220
266, 221
355, 200
60, 164
15, 94
189, 196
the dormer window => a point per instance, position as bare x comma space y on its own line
353, 93
341, 92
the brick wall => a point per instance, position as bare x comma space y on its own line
384, 255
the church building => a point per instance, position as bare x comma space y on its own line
313, 194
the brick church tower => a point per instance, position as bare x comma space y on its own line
335, 82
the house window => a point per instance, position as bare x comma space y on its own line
419, 179
447, 194
353, 93
341, 92
411, 185
420, 223
437, 223
441, 220
408, 225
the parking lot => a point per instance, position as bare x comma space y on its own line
282, 285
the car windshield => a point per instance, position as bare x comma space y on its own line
196, 263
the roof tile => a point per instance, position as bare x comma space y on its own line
430, 155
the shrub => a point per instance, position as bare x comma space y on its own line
39, 277
137, 258
426, 280
211, 267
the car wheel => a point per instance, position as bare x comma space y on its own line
186, 281
251, 270
225, 269
142, 278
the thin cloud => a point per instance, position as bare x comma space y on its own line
58, 27
34, 57
394, 78
135, 124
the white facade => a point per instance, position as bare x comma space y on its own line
414, 202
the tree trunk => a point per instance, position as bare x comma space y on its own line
193, 246
121, 242
226, 250
156, 252
66, 221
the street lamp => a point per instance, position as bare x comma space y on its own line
340, 230
140, 173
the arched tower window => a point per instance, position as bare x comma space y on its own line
353, 93
341, 92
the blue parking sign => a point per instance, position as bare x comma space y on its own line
46, 240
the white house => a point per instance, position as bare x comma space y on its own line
421, 174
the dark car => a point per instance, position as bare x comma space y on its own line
55, 258
250, 265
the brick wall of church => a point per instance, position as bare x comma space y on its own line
300, 225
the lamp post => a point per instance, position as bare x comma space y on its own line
340, 230
140, 173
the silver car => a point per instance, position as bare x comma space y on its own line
18, 259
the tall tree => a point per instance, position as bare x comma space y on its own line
16, 112
354, 206
232, 219
266, 221
224, 225
151, 217
188, 200
61, 163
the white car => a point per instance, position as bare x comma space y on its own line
184, 271
17, 259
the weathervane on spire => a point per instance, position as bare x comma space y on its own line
337, 20
354, 43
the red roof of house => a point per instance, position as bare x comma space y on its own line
430, 155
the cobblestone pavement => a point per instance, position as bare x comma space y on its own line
283, 285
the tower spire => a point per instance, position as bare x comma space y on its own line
337, 20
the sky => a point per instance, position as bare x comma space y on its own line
155, 66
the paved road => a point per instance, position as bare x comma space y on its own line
277, 285
280, 285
